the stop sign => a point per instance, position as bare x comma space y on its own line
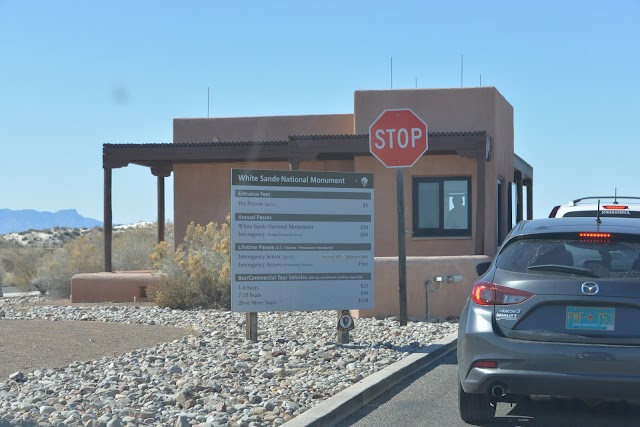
398, 138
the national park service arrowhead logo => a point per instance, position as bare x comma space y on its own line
345, 322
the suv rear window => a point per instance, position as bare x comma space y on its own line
606, 259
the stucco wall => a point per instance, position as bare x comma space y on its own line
121, 286
202, 190
504, 136
448, 301
202, 193
272, 128
455, 110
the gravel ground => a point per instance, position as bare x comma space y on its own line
121, 365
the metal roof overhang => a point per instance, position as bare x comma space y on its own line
161, 157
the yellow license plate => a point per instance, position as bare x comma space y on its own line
591, 318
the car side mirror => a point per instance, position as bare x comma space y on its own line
482, 267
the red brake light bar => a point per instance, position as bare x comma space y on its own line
595, 236
615, 207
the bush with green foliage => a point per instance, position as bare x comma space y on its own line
197, 273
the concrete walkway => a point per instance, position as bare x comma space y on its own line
15, 292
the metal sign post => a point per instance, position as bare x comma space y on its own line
345, 324
402, 254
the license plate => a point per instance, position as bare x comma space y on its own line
591, 318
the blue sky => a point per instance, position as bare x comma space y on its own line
77, 74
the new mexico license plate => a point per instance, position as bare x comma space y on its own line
591, 318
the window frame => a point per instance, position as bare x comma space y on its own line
440, 231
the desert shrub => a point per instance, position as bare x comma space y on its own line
20, 266
59, 265
197, 273
131, 250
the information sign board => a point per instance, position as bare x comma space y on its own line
301, 240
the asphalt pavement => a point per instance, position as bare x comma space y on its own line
352, 399
429, 398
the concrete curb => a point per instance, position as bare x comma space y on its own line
350, 400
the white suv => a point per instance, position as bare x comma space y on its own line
609, 206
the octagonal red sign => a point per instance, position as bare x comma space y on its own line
398, 138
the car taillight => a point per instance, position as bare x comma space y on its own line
484, 293
615, 207
554, 211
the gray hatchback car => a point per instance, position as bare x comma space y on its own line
555, 315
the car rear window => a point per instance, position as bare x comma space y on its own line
606, 259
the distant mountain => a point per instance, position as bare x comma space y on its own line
29, 219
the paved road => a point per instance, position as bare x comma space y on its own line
430, 398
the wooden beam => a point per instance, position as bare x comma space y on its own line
296, 148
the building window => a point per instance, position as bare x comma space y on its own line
442, 206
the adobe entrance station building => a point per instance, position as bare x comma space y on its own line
470, 165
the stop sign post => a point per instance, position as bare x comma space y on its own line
398, 138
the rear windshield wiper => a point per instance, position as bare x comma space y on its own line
563, 269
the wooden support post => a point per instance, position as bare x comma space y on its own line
252, 327
161, 209
108, 220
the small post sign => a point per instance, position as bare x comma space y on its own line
301, 240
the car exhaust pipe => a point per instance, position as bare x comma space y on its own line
497, 391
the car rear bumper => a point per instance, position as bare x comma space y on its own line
553, 384
549, 369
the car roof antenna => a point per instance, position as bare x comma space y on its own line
615, 196
598, 220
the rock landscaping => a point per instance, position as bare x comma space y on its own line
213, 378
